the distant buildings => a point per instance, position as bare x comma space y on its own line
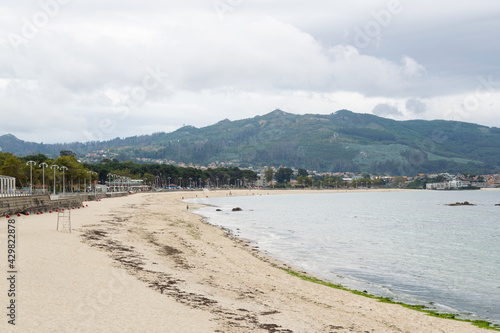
261, 181
449, 185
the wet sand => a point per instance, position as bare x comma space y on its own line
144, 263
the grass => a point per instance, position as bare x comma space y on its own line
421, 308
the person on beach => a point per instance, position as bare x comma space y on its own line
187, 207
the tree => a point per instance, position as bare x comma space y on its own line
149, 178
13, 167
303, 172
399, 181
37, 158
63, 153
76, 173
283, 174
269, 173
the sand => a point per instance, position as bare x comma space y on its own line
143, 263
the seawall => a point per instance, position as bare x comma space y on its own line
38, 203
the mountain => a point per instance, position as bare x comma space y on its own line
341, 141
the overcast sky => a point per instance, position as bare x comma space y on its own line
74, 70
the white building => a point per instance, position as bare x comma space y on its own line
261, 181
450, 185
7, 186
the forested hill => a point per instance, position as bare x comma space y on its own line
341, 141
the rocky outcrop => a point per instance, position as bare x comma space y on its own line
465, 203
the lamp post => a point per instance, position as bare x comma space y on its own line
112, 181
63, 168
169, 182
200, 182
90, 172
217, 181
180, 182
43, 165
110, 175
30, 163
54, 166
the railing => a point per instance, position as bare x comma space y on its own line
15, 194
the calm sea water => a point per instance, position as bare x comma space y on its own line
407, 245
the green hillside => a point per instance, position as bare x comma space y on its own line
341, 141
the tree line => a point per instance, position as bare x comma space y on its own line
283, 177
161, 175
40, 170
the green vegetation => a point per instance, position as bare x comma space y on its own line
421, 182
338, 142
41, 172
283, 175
77, 174
421, 308
150, 172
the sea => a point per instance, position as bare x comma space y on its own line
408, 245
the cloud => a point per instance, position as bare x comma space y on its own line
386, 110
92, 61
416, 106
411, 67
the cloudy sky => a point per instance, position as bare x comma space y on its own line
75, 70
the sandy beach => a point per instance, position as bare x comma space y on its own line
144, 263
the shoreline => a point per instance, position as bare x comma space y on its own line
145, 260
311, 277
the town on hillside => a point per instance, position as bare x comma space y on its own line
67, 175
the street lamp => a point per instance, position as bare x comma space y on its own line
110, 175
190, 181
63, 168
169, 182
43, 165
30, 163
90, 172
180, 182
217, 181
54, 166
112, 182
